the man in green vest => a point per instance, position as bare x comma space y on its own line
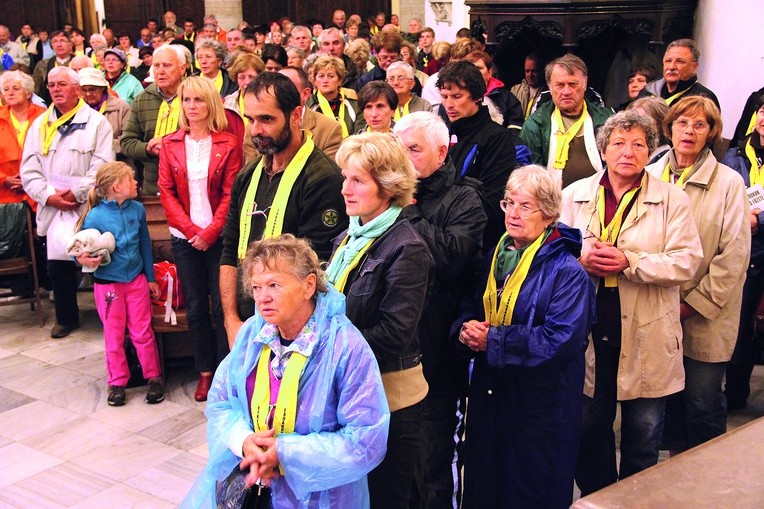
292, 188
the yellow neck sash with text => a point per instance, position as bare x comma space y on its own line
286, 403
48, 130
756, 175
670, 100
167, 118
565, 137
609, 233
506, 305
241, 110
275, 222
342, 280
326, 109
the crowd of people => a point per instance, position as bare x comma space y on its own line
408, 284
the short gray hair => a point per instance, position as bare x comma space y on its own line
427, 123
217, 47
22, 78
301, 28
329, 31
535, 180
74, 78
569, 62
402, 66
628, 120
295, 49
690, 44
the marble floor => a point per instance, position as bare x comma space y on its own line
61, 445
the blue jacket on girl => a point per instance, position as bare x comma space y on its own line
132, 254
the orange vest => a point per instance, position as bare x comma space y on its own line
10, 153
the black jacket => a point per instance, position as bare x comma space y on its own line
449, 216
485, 151
387, 293
229, 87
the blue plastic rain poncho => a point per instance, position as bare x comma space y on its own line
342, 416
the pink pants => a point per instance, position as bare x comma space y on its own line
127, 306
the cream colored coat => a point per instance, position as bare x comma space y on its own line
720, 209
661, 243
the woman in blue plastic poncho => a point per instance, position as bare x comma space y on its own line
320, 379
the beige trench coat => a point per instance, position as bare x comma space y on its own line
720, 209
661, 242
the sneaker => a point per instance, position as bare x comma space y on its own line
116, 396
156, 391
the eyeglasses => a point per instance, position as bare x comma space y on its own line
59, 84
522, 210
92, 90
388, 58
698, 127
393, 79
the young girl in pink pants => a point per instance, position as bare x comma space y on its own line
123, 285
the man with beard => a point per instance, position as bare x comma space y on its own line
293, 188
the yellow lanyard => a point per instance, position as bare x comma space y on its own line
402, 111
666, 177
503, 315
565, 137
676, 96
286, 402
323, 103
94, 60
610, 232
343, 279
275, 222
756, 175
102, 109
167, 118
219, 81
241, 110
20, 127
48, 130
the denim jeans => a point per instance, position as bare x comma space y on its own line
199, 273
641, 428
390, 483
699, 412
63, 280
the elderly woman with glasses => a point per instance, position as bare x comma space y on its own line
640, 244
400, 76
528, 324
711, 300
210, 56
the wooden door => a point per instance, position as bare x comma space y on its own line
132, 16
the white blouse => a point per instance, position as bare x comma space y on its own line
197, 167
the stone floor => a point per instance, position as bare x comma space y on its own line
61, 445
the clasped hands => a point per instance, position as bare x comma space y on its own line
604, 259
474, 334
260, 457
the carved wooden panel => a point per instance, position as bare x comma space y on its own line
261, 11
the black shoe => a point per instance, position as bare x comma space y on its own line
156, 391
117, 396
61, 331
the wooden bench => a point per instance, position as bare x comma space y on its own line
172, 340
724, 472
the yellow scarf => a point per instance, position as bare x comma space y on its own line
401, 111
503, 314
609, 233
275, 222
565, 137
20, 127
751, 124
343, 278
323, 103
756, 175
666, 176
219, 81
676, 96
48, 130
285, 411
102, 109
167, 118
241, 110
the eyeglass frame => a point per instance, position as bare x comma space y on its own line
504, 205
682, 125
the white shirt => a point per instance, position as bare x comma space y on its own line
197, 164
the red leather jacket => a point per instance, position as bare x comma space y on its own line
225, 163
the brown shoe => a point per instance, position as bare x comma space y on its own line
61, 331
203, 387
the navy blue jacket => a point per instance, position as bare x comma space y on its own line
526, 392
735, 158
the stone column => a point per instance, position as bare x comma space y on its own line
229, 13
